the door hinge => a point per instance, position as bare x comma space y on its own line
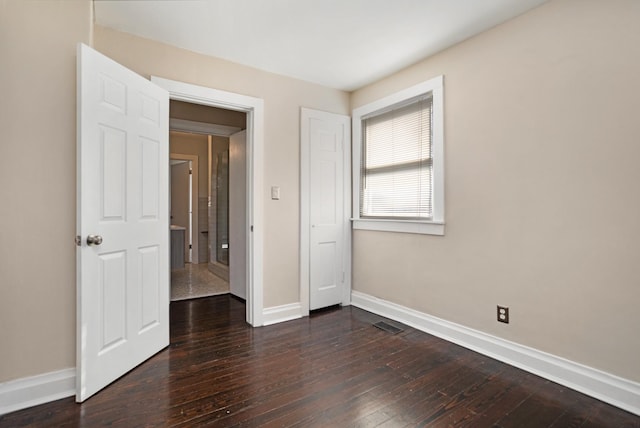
190, 171
190, 246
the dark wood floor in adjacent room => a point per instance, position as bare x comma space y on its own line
332, 369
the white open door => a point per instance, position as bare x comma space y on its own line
325, 139
122, 221
238, 214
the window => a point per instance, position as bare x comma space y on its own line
395, 169
398, 162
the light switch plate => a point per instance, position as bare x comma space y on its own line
275, 192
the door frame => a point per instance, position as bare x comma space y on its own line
195, 224
305, 211
254, 108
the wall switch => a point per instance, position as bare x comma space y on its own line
503, 314
275, 192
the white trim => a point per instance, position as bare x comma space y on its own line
305, 226
435, 226
31, 391
402, 226
202, 127
254, 107
347, 260
278, 314
617, 391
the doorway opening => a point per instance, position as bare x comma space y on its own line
208, 192
254, 218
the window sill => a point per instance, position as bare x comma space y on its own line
400, 226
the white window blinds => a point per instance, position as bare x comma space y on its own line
396, 172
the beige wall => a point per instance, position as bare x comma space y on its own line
283, 98
37, 183
542, 140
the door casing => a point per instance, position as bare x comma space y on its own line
254, 109
237, 208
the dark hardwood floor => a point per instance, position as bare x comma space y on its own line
332, 369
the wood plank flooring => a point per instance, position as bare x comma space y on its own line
332, 369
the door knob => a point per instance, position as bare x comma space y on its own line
94, 240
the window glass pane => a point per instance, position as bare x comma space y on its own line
404, 194
396, 165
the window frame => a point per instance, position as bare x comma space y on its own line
435, 225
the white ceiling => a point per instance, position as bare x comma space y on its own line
343, 44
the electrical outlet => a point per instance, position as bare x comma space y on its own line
503, 314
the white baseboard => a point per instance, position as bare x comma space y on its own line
31, 391
617, 391
282, 313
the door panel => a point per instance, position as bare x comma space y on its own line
113, 279
327, 193
123, 281
327, 255
150, 284
238, 214
112, 171
326, 136
150, 172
